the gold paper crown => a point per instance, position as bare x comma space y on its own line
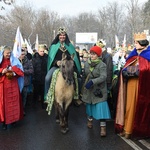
24, 45
61, 30
101, 43
85, 55
140, 36
41, 46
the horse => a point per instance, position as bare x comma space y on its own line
64, 91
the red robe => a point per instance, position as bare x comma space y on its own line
141, 124
11, 109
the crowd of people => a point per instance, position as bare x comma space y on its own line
128, 104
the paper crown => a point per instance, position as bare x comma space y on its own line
1, 47
139, 36
24, 45
101, 43
61, 30
41, 46
130, 47
80, 51
86, 55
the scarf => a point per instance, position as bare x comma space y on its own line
93, 63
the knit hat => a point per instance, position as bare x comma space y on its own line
97, 50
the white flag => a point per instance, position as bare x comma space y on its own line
28, 47
124, 41
17, 44
116, 41
22, 41
36, 42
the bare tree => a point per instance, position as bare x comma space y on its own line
4, 3
21, 16
3, 22
110, 22
85, 22
146, 15
46, 25
134, 18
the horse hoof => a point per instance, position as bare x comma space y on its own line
64, 131
57, 121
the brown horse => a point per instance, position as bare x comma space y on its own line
64, 91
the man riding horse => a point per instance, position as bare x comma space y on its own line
61, 44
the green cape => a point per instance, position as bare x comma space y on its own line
53, 51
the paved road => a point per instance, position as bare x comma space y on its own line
38, 131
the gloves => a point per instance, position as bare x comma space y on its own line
89, 84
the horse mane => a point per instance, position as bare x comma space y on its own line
67, 68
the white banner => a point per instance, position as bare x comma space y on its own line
86, 38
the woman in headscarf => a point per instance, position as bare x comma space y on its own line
11, 84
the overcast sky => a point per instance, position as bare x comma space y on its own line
71, 7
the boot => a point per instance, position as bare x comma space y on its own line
103, 131
90, 123
122, 133
4, 126
78, 102
127, 136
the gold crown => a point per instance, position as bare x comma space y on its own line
61, 30
85, 55
140, 36
41, 46
24, 45
101, 43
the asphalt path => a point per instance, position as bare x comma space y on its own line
38, 131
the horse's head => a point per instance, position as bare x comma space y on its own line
67, 68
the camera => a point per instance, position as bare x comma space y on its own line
98, 93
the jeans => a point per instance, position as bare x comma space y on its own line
48, 78
24, 95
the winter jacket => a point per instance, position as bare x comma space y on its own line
28, 70
107, 59
98, 77
40, 68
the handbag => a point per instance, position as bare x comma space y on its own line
131, 71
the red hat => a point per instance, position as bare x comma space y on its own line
96, 49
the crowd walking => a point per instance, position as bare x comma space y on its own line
95, 69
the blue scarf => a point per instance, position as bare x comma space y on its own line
14, 62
